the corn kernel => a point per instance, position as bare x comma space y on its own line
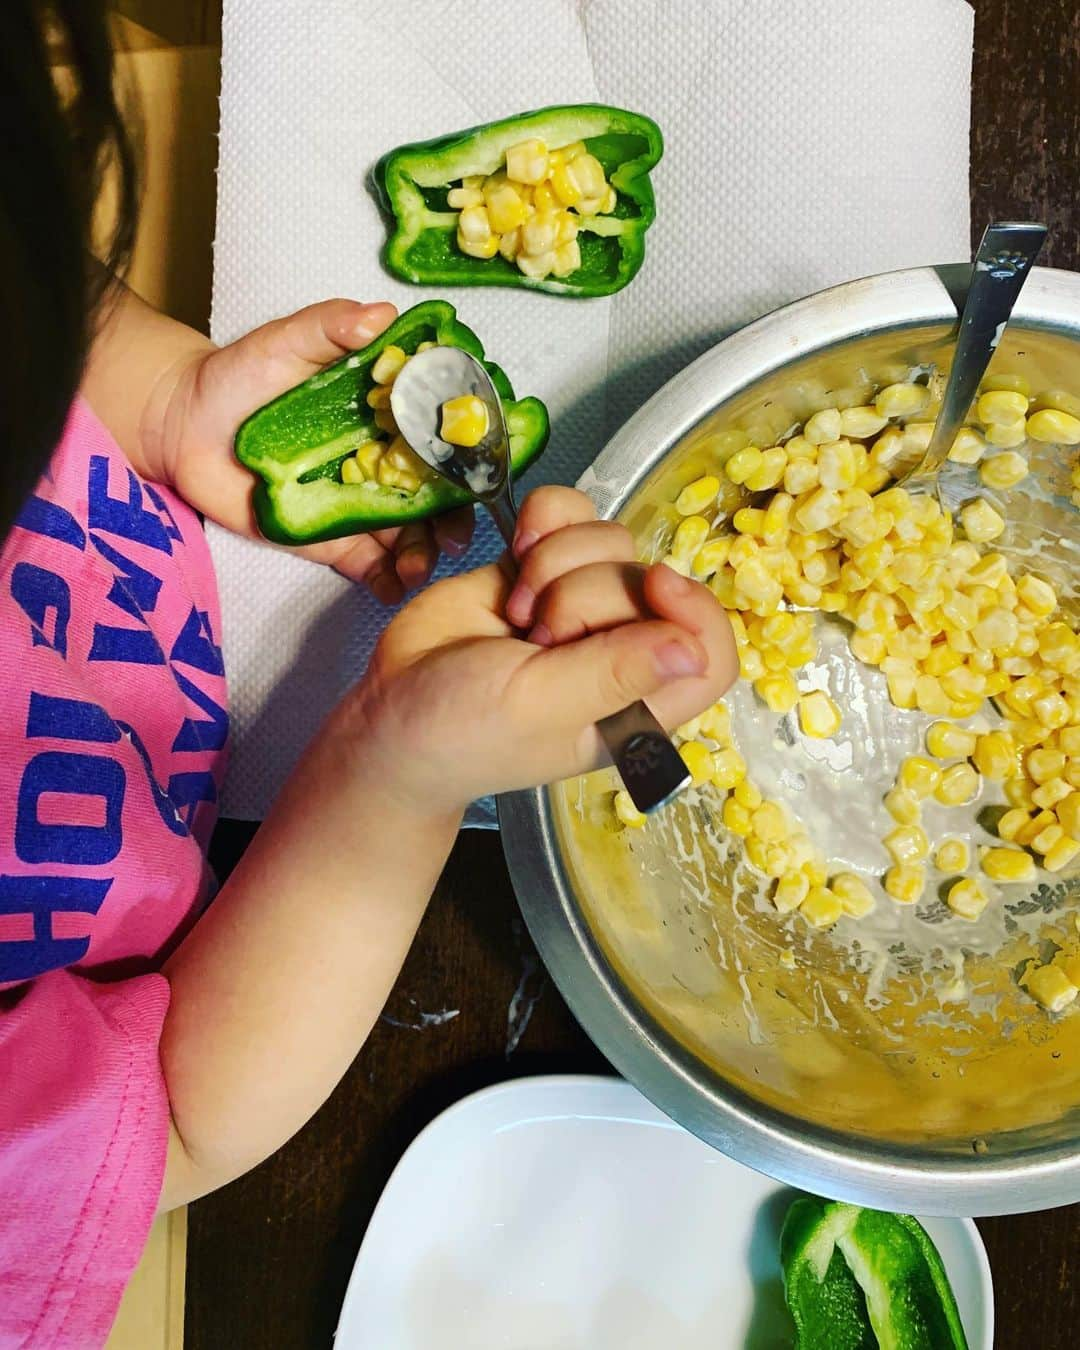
997, 630
980, 521
1062, 853
1068, 813
907, 844
698, 761
821, 907
966, 899
769, 823
567, 258
761, 590
742, 464
1051, 710
968, 447
506, 211
930, 697
823, 427
1044, 763
902, 805
816, 871
1050, 987
1048, 794
1047, 837
902, 400
769, 472
510, 245
1018, 793
853, 893
696, 496
1008, 864
1053, 427
819, 509
749, 520
952, 855
791, 890
464, 420
777, 518
836, 465
747, 795
959, 785
868, 647
1059, 647
1004, 470
778, 691
690, 535
901, 677
1069, 740
473, 225
919, 776
588, 173
627, 812
905, 882
737, 818
1012, 823
1001, 406
711, 556
368, 456
527, 162
861, 423
728, 767
388, 364
800, 476
351, 471
819, 716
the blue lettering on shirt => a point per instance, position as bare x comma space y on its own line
44, 896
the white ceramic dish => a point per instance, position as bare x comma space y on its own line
570, 1214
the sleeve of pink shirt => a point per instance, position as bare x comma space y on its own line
84, 1116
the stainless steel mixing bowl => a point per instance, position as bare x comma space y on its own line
969, 1106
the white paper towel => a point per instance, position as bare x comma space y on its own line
807, 142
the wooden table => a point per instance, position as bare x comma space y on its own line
269, 1257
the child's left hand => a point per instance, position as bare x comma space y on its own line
199, 395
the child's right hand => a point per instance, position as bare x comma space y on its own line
459, 702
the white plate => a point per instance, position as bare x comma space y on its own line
571, 1214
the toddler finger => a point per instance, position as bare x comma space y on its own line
548, 509
588, 600
454, 531
415, 554
561, 552
576, 685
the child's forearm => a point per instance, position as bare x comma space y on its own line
137, 359
277, 987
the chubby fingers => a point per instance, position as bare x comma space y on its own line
652, 634
589, 599
556, 555
546, 510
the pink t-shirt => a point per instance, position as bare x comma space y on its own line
113, 726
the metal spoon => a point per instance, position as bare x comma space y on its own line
1005, 257
648, 763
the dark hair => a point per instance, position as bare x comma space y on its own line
56, 145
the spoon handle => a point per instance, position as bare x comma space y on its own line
1006, 255
652, 770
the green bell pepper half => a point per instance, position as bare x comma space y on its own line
859, 1279
295, 445
413, 180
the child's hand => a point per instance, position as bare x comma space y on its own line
456, 703
199, 395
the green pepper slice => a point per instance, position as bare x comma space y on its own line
296, 443
857, 1279
413, 180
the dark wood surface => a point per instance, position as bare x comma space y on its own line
269, 1256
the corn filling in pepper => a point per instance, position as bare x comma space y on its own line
530, 210
388, 460
932, 605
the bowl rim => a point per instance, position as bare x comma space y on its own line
843, 1166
